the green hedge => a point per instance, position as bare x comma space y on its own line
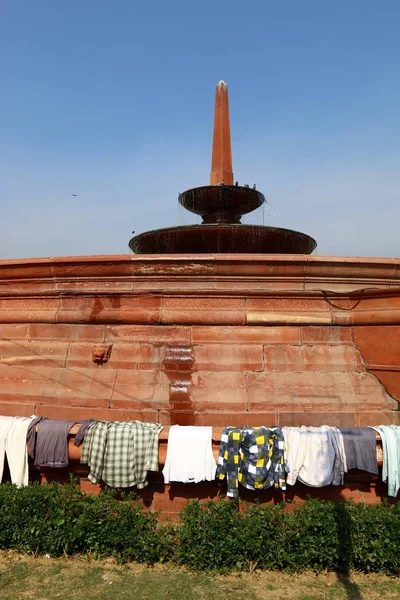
62, 520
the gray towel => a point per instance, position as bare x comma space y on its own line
360, 448
52, 443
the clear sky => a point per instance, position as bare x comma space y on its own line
113, 100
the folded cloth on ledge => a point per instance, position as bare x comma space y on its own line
189, 455
253, 457
390, 435
120, 453
360, 448
315, 455
48, 445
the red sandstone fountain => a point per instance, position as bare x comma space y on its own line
208, 338
221, 206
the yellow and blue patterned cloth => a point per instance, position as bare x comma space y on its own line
253, 457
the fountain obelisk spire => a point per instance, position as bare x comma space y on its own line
221, 163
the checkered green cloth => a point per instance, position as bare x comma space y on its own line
121, 452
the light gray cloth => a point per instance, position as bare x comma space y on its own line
390, 435
360, 448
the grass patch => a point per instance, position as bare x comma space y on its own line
29, 578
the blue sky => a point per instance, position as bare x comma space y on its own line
114, 100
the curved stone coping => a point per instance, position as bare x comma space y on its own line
302, 270
75, 452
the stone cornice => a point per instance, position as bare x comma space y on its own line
302, 270
207, 289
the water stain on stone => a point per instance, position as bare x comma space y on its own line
178, 365
97, 308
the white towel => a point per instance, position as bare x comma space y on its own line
13, 432
189, 455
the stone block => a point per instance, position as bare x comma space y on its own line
245, 335
161, 399
19, 408
316, 419
379, 345
173, 266
203, 311
282, 267
122, 356
291, 304
342, 391
213, 357
82, 413
71, 332
28, 310
119, 309
390, 380
93, 267
213, 379
149, 334
33, 374
32, 353
237, 418
326, 335
22, 269
376, 271
365, 418
311, 358
79, 388
13, 331
218, 398
133, 389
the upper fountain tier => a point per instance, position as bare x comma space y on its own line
221, 205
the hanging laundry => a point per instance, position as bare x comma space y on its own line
120, 453
48, 442
13, 432
315, 455
189, 455
253, 457
390, 435
360, 448
80, 434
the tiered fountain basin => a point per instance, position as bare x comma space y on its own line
210, 339
221, 208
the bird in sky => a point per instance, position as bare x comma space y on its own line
74, 194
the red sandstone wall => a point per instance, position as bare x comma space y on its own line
215, 375
215, 339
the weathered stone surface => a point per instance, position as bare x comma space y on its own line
312, 358
326, 335
380, 348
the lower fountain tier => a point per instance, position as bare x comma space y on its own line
222, 238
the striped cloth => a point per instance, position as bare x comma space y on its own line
253, 457
121, 452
